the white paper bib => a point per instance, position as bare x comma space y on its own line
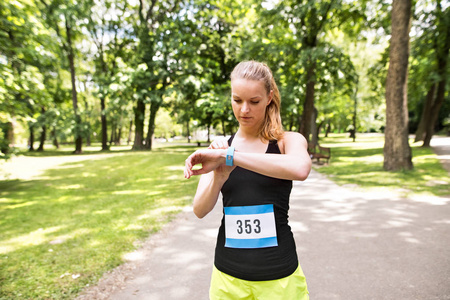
250, 226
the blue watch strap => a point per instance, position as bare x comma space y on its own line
230, 156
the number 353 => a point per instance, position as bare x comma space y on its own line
248, 226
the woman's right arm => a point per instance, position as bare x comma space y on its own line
208, 191
210, 184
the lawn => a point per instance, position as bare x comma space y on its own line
60, 233
360, 163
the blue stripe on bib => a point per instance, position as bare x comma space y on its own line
248, 210
252, 243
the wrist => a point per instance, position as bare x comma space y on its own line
230, 157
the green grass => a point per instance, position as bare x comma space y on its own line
61, 233
361, 163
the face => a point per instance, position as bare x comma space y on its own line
249, 100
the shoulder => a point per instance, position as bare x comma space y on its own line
292, 140
293, 137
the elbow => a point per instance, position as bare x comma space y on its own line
303, 170
199, 213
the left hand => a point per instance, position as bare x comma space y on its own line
210, 159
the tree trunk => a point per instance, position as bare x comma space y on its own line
442, 48
139, 117
10, 133
314, 131
209, 133
31, 145
308, 107
113, 128
43, 135
397, 152
151, 125
78, 137
425, 118
355, 111
224, 131
119, 134
55, 138
434, 114
188, 131
105, 146
130, 131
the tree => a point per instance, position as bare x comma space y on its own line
306, 52
111, 37
64, 16
435, 64
150, 29
24, 66
397, 152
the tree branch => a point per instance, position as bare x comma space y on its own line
325, 17
150, 11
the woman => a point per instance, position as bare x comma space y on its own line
255, 255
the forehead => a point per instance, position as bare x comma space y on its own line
246, 87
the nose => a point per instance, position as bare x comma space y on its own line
245, 108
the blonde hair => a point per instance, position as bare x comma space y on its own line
272, 129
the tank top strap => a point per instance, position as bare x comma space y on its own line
273, 147
230, 140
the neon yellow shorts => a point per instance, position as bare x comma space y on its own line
226, 287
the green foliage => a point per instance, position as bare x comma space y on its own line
63, 231
430, 26
179, 55
174, 54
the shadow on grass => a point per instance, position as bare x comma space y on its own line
82, 218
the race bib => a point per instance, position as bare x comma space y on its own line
250, 226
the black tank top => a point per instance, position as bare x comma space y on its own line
247, 188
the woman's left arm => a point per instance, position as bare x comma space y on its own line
294, 164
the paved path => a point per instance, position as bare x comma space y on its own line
352, 244
441, 146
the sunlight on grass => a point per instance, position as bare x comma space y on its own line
129, 192
361, 164
33, 238
63, 231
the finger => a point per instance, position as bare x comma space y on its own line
188, 167
198, 172
186, 173
213, 145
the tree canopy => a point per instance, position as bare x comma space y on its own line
108, 70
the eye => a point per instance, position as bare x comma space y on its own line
237, 100
255, 102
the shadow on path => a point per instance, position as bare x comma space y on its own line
352, 245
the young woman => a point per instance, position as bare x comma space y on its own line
255, 255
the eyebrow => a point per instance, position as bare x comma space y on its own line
254, 97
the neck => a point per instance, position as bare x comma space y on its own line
248, 134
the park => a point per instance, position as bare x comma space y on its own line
101, 102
